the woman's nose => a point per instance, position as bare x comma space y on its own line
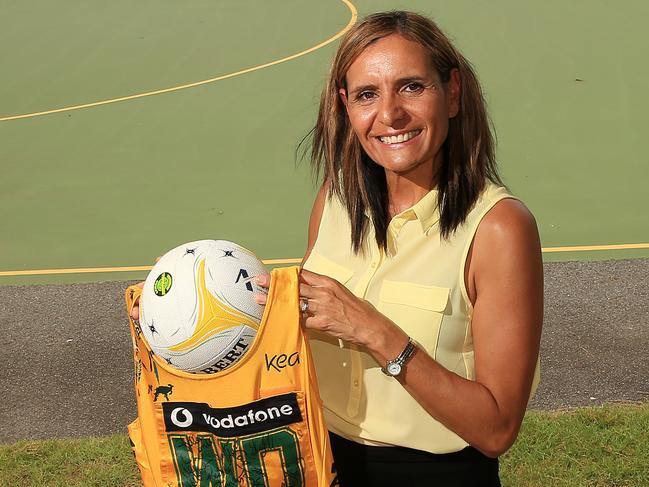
391, 110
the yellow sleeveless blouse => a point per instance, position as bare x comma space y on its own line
418, 284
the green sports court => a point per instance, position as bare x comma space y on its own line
128, 128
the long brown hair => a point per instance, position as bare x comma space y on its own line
350, 174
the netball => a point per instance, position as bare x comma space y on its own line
198, 311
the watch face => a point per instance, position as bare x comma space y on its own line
394, 369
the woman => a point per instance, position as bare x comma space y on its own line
422, 284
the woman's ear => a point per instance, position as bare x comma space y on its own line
343, 96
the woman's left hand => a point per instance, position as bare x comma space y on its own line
334, 310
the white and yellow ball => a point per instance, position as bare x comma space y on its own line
197, 309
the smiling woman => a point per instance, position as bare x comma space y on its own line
422, 285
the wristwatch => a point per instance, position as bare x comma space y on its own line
394, 367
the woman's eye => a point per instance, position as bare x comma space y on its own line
413, 88
364, 96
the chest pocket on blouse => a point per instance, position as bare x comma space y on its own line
320, 264
417, 309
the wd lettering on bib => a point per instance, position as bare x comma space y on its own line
255, 417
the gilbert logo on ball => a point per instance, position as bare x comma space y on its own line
162, 284
207, 319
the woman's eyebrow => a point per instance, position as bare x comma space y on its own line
412, 79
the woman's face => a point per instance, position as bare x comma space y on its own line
398, 107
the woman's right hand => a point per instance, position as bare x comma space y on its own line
262, 280
135, 311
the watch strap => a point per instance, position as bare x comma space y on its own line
402, 358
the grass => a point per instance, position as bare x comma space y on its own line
606, 446
87, 462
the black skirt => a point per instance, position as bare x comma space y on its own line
393, 466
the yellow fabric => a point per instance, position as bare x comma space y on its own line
418, 284
258, 423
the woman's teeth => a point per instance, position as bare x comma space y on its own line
396, 139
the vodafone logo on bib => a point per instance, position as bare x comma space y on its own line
177, 416
254, 417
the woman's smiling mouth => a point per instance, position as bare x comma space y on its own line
397, 139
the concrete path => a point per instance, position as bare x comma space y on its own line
67, 367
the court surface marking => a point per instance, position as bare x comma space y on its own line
352, 20
86, 270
